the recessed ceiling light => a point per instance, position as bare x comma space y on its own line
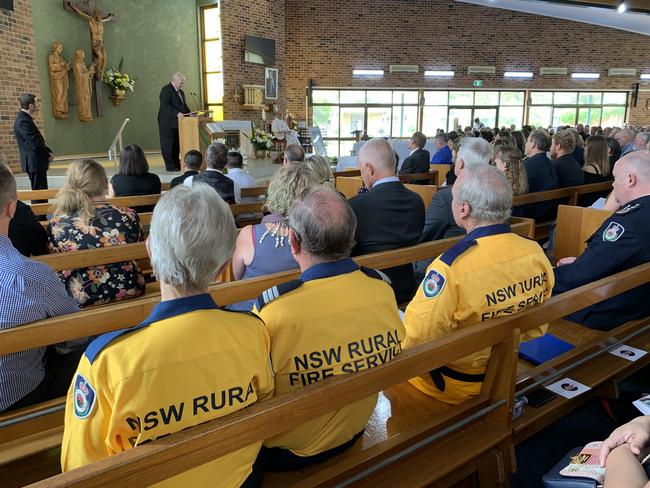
518, 74
368, 72
585, 76
439, 73
645, 76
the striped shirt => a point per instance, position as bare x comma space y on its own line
29, 291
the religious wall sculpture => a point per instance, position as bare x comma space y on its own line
58, 69
96, 19
83, 85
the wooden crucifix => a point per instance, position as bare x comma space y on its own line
96, 18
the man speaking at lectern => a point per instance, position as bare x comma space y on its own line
172, 109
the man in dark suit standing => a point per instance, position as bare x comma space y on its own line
172, 108
35, 156
389, 216
418, 158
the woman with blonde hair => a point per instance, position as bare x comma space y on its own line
264, 248
509, 160
597, 166
82, 219
321, 167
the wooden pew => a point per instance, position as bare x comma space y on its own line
50, 193
431, 177
349, 185
574, 226
122, 202
442, 170
346, 173
254, 191
426, 192
480, 445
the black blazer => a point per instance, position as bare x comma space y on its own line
418, 162
389, 217
225, 186
439, 222
26, 232
542, 176
34, 154
170, 106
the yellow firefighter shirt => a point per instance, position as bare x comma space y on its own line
490, 273
336, 319
187, 363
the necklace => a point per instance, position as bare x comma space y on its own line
277, 230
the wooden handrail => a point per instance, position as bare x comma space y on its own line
431, 177
568, 192
126, 314
122, 202
94, 257
51, 193
254, 191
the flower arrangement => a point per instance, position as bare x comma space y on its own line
118, 80
261, 140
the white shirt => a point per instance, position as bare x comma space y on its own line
241, 179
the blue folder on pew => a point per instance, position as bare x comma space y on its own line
543, 349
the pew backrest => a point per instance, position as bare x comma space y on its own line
574, 226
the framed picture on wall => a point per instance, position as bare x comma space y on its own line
271, 83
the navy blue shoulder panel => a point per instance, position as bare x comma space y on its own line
450, 255
276, 291
375, 273
96, 346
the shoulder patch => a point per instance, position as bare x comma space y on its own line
275, 292
84, 397
628, 208
613, 232
375, 273
450, 255
433, 284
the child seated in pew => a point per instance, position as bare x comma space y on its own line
83, 220
30, 291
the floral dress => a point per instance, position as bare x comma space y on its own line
111, 226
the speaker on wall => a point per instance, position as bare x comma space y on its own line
310, 87
635, 94
7, 4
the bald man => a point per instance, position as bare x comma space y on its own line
389, 216
622, 242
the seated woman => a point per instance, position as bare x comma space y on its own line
264, 248
622, 452
321, 166
133, 177
83, 220
509, 160
597, 166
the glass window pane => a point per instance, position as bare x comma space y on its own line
325, 96
564, 116
212, 50
405, 121
511, 115
405, 97
540, 116
541, 98
589, 116
461, 98
379, 121
345, 148
436, 98
217, 111
613, 116
352, 118
590, 98
615, 98
565, 98
434, 118
512, 98
214, 83
353, 96
487, 116
486, 98
327, 117
379, 97
459, 117
332, 147
211, 23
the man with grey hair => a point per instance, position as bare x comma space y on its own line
625, 137
388, 216
293, 152
187, 363
216, 157
490, 273
621, 242
641, 140
336, 319
173, 107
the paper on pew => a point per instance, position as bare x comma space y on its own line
628, 352
585, 464
643, 404
568, 388
599, 204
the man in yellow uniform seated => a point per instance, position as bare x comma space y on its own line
188, 362
336, 319
490, 273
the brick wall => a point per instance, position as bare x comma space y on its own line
328, 39
264, 18
19, 73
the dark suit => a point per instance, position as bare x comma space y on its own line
569, 171
225, 186
26, 232
178, 180
172, 103
389, 217
542, 176
418, 162
34, 153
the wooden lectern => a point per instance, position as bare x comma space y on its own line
193, 133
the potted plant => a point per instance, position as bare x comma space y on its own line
262, 142
119, 82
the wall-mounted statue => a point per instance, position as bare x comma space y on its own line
58, 69
83, 85
96, 21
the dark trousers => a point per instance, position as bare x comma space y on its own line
59, 370
278, 459
170, 148
38, 180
